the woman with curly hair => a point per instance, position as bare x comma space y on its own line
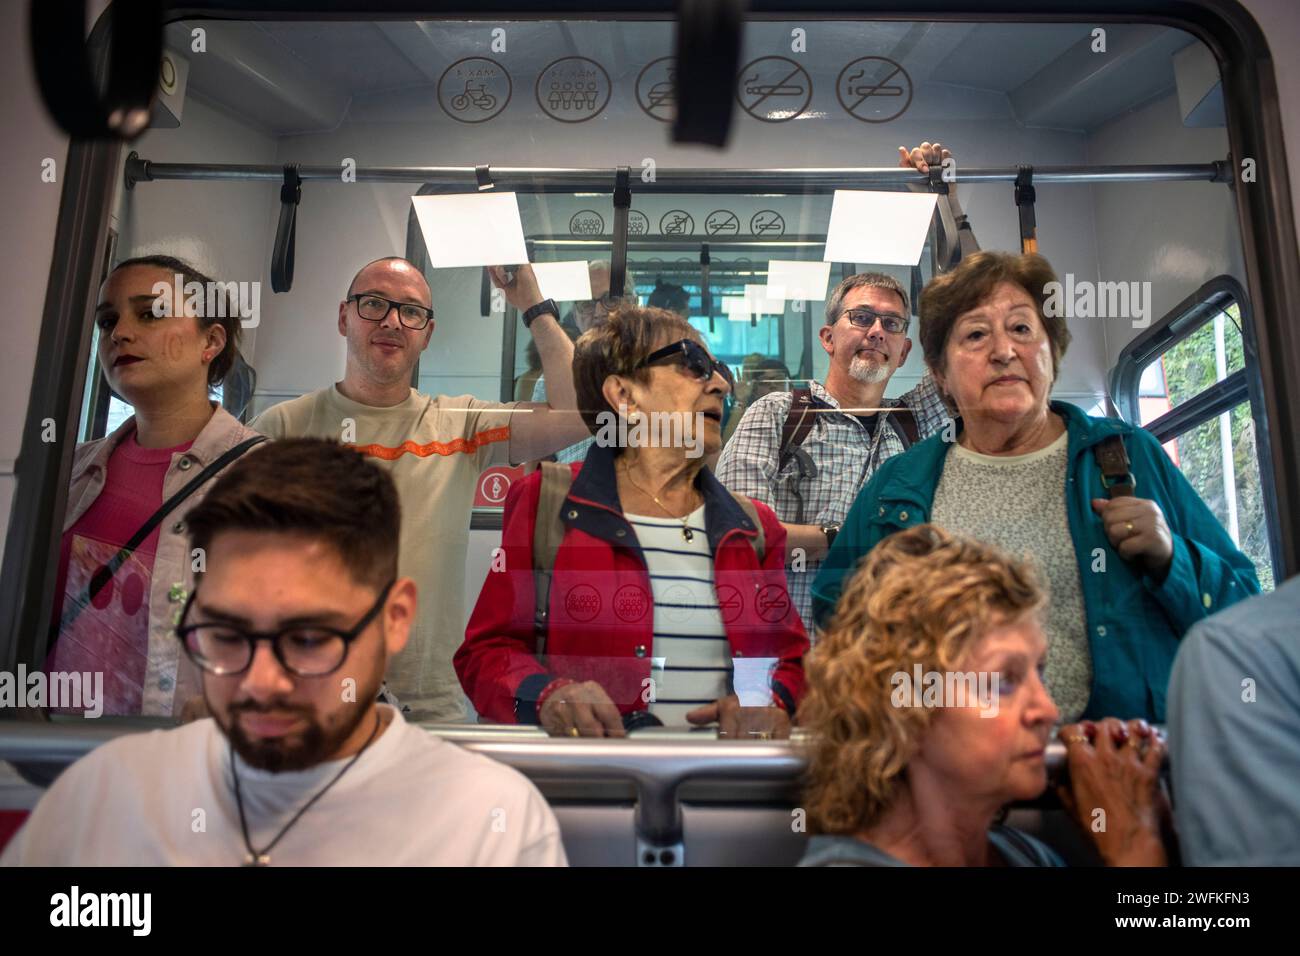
927, 714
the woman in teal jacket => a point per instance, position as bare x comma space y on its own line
1127, 575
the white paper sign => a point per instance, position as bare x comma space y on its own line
471, 230
563, 281
878, 228
762, 302
793, 279
736, 308
752, 679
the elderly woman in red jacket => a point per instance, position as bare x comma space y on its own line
634, 582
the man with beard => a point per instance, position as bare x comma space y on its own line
811, 481
292, 624
808, 461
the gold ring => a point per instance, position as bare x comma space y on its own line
1128, 526
1077, 739
573, 732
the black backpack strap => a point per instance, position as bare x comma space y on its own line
903, 417
798, 424
105, 574
1116, 474
548, 532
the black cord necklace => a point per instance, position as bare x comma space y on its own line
261, 857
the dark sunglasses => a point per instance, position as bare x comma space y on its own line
694, 358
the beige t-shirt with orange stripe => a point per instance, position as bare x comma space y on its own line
435, 448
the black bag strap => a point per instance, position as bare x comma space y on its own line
105, 574
908, 430
1116, 474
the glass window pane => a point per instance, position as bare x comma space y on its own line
1210, 354
1218, 457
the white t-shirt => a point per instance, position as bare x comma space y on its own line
165, 798
691, 659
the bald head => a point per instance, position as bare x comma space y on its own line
373, 275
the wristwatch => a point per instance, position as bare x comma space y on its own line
830, 530
541, 308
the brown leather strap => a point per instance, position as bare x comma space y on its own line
548, 532
903, 417
799, 421
1116, 475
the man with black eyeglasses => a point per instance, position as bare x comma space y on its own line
434, 446
291, 625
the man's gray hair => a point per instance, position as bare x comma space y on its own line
629, 284
875, 280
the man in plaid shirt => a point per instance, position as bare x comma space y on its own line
865, 336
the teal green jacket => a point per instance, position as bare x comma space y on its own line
1134, 623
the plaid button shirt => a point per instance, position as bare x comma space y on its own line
842, 452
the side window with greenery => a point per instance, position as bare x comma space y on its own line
1188, 380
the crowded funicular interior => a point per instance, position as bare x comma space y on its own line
464, 434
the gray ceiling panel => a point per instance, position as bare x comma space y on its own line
301, 77
1001, 56
358, 57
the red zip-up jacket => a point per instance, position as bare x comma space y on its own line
600, 624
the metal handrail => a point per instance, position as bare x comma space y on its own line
687, 180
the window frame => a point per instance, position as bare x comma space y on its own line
1243, 385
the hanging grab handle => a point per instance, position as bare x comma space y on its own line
618, 254
1025, 197
286, 231
706, 294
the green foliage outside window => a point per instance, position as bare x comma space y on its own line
1189, 368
